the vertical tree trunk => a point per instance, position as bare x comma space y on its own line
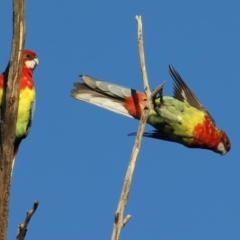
9, 116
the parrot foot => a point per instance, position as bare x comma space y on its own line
158, 92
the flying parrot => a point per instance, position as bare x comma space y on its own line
26, 98
181, 118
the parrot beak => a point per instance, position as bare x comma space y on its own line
36, 61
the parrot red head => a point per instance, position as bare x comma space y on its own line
30, 59
224, 144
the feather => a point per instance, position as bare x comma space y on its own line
183, 93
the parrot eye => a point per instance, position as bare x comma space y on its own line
28, 55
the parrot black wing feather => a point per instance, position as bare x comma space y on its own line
184, 94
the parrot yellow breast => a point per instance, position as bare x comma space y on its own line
26, 101
25, 108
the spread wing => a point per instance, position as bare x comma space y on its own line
183, 93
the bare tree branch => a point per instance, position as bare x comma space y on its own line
119, 223
126, 219
22, 228
9, 114
142, 60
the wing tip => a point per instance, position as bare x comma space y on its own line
132, 134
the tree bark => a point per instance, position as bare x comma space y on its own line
9, 113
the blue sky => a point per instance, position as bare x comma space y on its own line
75, 158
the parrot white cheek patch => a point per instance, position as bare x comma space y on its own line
32, 63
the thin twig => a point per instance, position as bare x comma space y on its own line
126, 219
142, 59
9, 116
22, 228
119, 222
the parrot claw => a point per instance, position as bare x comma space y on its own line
158, 92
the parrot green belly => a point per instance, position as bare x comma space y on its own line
175, 118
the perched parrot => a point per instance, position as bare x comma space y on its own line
181, 118
26, 98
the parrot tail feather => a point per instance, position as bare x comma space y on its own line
13, 165
86, 94
16, 146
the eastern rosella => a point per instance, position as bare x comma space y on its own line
181, 118
26, 98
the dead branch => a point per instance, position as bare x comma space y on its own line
9, 117
22, 228
119, 222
